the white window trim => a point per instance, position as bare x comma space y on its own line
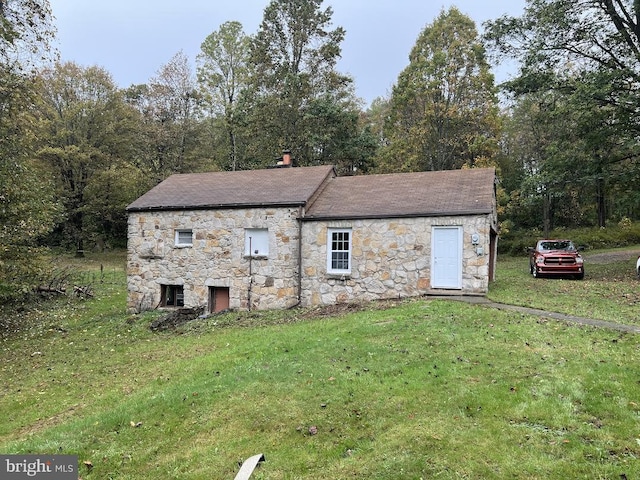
330, 269
178, 243
259, 242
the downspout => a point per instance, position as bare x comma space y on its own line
299, 257
250, 276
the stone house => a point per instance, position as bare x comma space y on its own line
276, 238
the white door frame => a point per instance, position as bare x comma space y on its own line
446, 258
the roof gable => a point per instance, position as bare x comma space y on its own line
448, 192
246, 188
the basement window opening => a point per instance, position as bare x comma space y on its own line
172, 296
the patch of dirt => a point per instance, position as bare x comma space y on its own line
178, 317
293, 315
44, 423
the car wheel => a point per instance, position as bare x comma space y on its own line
534, 272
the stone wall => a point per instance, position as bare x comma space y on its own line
391, 258
215, 259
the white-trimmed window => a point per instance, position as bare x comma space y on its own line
339, 251
184, 238
256, 242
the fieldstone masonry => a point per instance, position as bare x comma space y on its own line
215, 259
391, 258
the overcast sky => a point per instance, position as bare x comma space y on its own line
133, 39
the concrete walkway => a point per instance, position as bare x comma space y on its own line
483, 301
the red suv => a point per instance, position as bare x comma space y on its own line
556, 257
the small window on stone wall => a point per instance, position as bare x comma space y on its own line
256, 242
172, 296
184, 238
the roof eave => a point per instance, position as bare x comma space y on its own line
225, 206
457, 213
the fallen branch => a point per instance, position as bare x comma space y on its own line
80, 291
49, 289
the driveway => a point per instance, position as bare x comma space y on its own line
483, 301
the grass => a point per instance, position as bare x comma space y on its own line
610, 291
423, 389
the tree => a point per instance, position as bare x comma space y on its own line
376, 117
588, 35
27, 206
86, 128
337, 136
529, 149
27, 213
443, 109
26, 33
223, 73
107, 195
294, 55
588, 52
169, 108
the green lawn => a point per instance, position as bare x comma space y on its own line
424, 389
610, 291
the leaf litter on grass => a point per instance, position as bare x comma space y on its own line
433, 376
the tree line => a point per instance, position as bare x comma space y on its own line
75, 149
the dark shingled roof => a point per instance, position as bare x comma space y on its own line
247, 188
450, 192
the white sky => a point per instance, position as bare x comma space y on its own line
133, 39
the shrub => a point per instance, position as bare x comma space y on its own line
623, 234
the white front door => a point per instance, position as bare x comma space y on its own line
446, 257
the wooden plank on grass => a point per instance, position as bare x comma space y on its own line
248, 466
